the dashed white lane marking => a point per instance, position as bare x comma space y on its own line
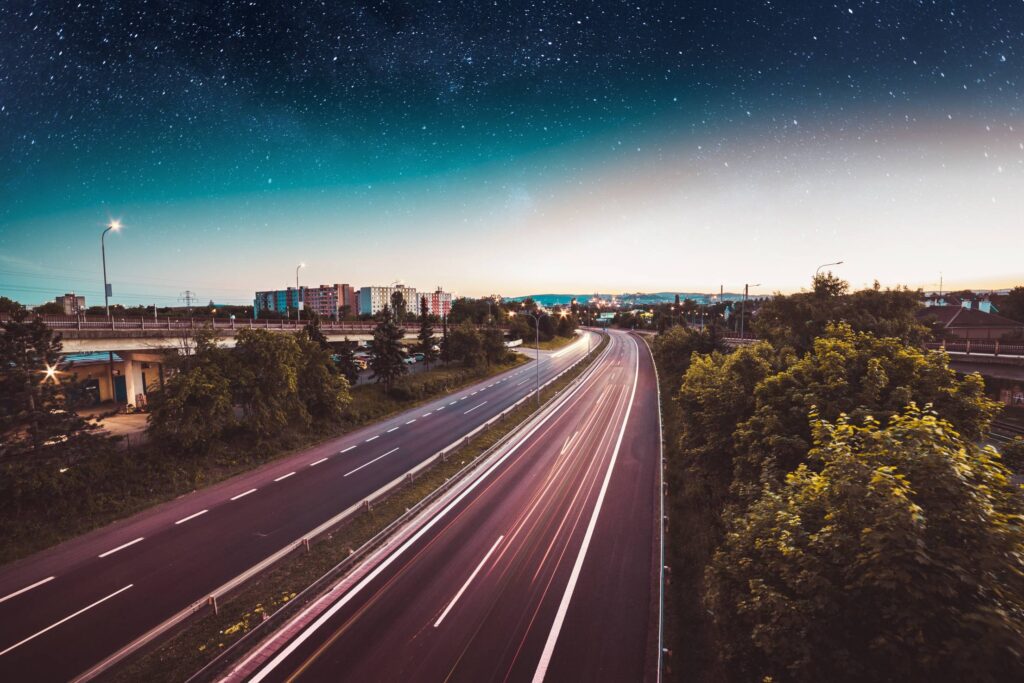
466, 585
392, 430
464, 398
372, 438
193, 516
27, 588
473, 408
371, 462
314, 464
121, 547
440, 408
345, 450
454, 402
425, 415
243, 495
284, 476
70, 616
523, 382
411, 421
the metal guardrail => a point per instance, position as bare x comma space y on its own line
979, 347
209, 601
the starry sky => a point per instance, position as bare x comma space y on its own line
508, 147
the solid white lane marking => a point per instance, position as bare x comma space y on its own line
563, 606
284, 476
70, 616
354, 591
314, 464
345, 450
473, 408
392, 429
411, 421
201, 512
371, 462
372, 438
568, 442
121, 547
27, 588
466, 585
243, 495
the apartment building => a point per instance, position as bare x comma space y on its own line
72, 303
373, 298
325, 300
439, 302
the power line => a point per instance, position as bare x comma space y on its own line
188, 297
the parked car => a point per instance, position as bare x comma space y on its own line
409, 360
418, 356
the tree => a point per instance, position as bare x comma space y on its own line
192, 411
897, 558
1012, 305
492, 344
427, 340
313, 332
566, 326
388, 358
9, 306
49, 308
859, 375
1013, 454
398, 306
346, 361
796, 320
465, 345
34, 406
547, 328
321, 387
446, 355
266, 382
674, 348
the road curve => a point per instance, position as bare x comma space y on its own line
87, 598
546, 567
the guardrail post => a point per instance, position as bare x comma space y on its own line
968, 347
366, 505
997, 347
305, 544
192, 323
212, 602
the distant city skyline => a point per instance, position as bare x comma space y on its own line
511, 150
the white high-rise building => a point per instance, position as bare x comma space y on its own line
372, 299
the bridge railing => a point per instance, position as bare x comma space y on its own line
71, 322
980, 347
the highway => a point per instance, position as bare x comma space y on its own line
68, 608
545, 567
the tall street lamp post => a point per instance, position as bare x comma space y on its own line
743, 308
114, 225
536, 329
298, 292
826, 265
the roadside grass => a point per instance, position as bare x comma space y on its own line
203, 638
115, 483
552, 344
694, 532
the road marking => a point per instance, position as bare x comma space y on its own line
26, 588
345, 450
372, 438
392, 429
475, 392
122, 547
489, 385
425, 415
70, 616
563, 607
440, 408
464, 398
201, 512
371, 462
314, 464
284, 476
243, 495
568, 442
454, 402
466, 585
355, 590
411, 421
473, 408
523, 382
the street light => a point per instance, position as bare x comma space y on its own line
743, 306
298, 292
536, 329
826, 265
114, 225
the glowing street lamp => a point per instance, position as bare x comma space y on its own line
826, 265
114, 225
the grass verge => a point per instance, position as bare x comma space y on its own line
552, 344
203, 638
115, 483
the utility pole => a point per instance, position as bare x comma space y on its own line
188, 296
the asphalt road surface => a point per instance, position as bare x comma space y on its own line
66, 609
544, 568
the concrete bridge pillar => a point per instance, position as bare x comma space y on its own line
129, 369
